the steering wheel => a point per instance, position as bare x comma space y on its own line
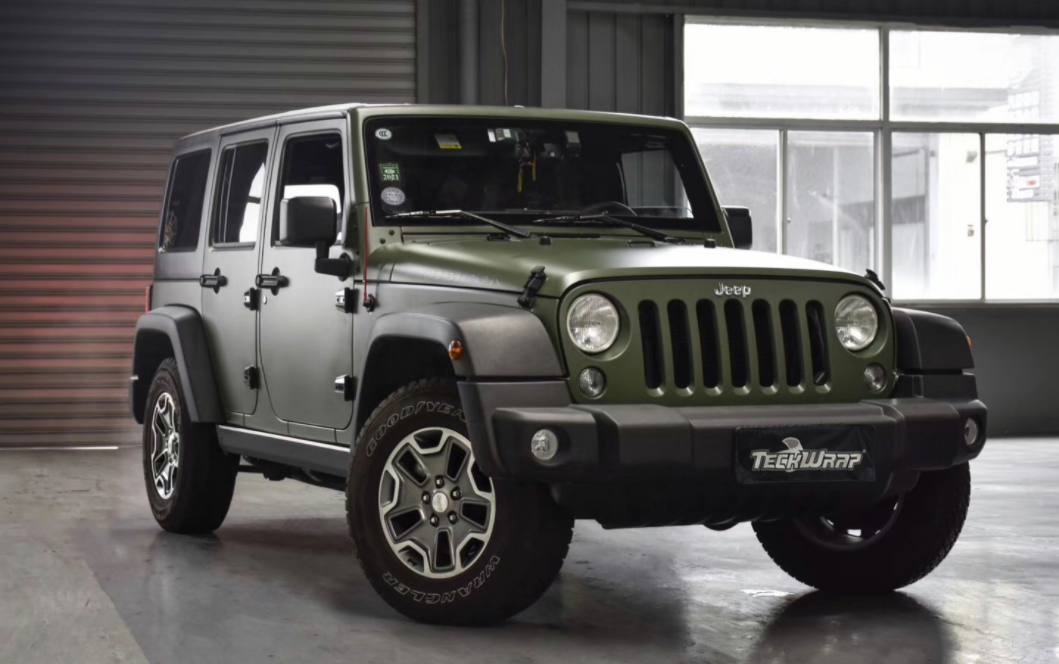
604, 207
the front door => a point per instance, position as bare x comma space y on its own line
231, 264
306, 342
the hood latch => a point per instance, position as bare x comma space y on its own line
533, 286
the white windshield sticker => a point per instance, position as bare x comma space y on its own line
383, 134
392, 196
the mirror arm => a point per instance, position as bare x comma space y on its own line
340, 267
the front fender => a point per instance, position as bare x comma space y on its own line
177, 332
498, 341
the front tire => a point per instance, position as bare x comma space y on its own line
891, 546
437, 539
189, 478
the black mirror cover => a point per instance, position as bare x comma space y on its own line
307, 221
740, 226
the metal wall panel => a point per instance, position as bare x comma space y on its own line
620, 62
92, 95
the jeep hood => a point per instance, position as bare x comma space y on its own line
477, 262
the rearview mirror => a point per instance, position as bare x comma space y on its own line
307, 221
740, 226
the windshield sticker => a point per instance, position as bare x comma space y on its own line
390, 172
392, 196
383, 134
448, 141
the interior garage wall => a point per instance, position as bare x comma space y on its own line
92, 95
620, 62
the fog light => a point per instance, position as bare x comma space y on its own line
875, 378
970, 431
544, 445
592, 382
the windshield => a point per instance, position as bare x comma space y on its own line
518, 171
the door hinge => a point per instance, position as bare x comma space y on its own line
533, 285
252, 299
346, 300
251, 377
347, 387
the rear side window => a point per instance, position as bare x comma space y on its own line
239, 191
183, 206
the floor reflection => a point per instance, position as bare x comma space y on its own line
824, 628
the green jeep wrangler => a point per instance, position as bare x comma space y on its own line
485, 323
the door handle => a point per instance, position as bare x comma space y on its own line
274, 281
214, 281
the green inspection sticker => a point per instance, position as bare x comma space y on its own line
390, 172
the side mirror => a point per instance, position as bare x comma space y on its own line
312, 221
307, 221
740, 226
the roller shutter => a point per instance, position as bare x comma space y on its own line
92, 95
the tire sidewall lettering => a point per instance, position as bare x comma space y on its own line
396, 418
449, 596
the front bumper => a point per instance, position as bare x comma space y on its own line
695, 448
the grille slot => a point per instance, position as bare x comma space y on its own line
680, 339
651, 336
766, 352
792, 343
737, 344
709, 345
814, 313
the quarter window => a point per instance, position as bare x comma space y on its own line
239, 192
183, 206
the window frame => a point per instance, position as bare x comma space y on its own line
882, 129
217, 204
281, 171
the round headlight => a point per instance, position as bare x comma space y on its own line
856, 322
592, 323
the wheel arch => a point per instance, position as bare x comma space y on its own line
176, 332
499, 342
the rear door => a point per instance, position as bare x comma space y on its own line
306, 342
230, 265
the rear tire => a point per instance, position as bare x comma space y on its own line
904, 547
189, 478
403, 461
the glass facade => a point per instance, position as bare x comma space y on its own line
937, 168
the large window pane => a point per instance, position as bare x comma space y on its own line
831, 198
1022, 235
742, 167
790, 72
936, 216
974, 76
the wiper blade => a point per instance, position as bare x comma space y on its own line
606, 218
510, 230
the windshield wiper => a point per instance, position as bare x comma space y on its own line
606, 218
510, 230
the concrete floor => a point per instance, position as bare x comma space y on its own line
86, 577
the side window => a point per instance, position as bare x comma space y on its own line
183, 206
312, 166
239, 190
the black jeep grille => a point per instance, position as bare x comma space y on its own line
766, 344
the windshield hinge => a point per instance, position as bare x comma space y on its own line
533, 286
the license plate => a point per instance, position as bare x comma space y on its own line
805, 454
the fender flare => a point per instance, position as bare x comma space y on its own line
498, 341
929, 342
186, 335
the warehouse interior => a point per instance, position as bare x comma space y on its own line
919, 140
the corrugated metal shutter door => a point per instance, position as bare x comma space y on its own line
92, 95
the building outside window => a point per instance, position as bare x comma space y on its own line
928, 156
